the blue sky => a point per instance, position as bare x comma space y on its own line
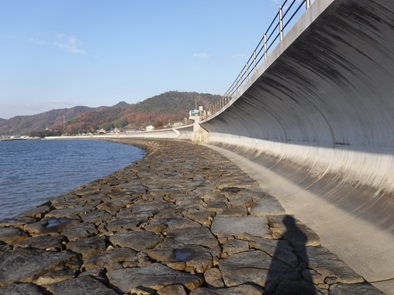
63, 53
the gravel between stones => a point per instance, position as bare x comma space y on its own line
183, 220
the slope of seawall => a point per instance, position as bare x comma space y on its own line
319, 115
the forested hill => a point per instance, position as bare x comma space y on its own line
159, 111
24, 125
174, 102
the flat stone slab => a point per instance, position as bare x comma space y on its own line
238, 226
49, 242
362, 289
213, 278
56, 276
280, 249
88, 246
290, 287
267, 205
96, 216
116, 255
81, 231
12, 235
197, 259
168, 221
254, 267
172, 290
68, 212
26, 265
185, 236
21, 289
36, 212
244, 289
119, 225
154, 276
81, 285
329, 265
289, 228
137, 240
51, 225
234, 246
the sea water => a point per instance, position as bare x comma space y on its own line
33, 171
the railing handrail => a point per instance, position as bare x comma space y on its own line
263, 48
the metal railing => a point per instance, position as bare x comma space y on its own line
272, 36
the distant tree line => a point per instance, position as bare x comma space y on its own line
45, 133
161, 111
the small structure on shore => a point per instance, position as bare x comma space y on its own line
150, 128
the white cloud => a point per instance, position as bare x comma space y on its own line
201, 55
70, 44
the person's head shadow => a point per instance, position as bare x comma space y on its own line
288, 273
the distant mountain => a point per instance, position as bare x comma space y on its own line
173, 102
161, 110
121, 104
23, 125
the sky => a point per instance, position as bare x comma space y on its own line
63, 53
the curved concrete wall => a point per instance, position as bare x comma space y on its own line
320, 110
181, 133
185, 132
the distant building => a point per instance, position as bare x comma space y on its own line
149, 128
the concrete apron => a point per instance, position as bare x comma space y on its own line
365, 248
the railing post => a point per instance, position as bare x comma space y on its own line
254, 60
265, 45
308, 3
246, 70
281, 23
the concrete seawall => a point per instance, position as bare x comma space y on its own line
318, 114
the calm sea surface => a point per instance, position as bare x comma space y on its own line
33, 171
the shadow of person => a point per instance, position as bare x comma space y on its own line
288, 273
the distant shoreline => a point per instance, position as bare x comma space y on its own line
12, 139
